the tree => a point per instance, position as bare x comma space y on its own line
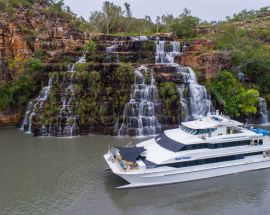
148, 22
186, 12
128, 17
97, 20
248, 101
167, 20
158, 22
231, 94
185, 25
107, 20
112, 14
147, 18
128, 10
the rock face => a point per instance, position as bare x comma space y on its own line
35, 28
126, 87
9, 119
202, 57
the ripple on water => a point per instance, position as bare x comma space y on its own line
41, 176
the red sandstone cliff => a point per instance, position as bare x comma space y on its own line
202, 57
35, 27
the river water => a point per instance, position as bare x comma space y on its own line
67, 177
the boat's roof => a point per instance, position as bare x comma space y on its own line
182, 137
211, 121
185, 138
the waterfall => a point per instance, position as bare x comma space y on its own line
111, 48
33, 106
194, 98
263, 111
166, 51
36, 108
139, 38
139, 113
68, 118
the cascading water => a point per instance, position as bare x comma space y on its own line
68, 117
140, 38
263, 111
139, 113
111, 49
36, 107
33, 106
194, 99
166, 51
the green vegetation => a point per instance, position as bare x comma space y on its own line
15, 93
249, 53
185, 25
22, 70
246, 15
123, 77
90, 110
113, 19
53, 6
170, 99
90, 47
237, 101
96, 100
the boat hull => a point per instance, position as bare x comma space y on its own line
176, 176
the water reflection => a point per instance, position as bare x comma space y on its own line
203, 196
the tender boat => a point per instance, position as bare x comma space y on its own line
212, 146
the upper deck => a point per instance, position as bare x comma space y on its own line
213, 135
211, 122
210, 129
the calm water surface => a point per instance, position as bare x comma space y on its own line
66, 176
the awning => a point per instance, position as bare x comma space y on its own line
168, 143
130, 153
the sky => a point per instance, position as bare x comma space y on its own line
209, 10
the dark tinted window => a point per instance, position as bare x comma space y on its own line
210, 160
215, 145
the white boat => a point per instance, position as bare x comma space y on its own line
212, 146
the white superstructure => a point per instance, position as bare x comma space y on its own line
211, 146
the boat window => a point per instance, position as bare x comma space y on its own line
215, 145
194, 132
210, 160
197, 131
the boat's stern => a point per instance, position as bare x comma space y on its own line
112, 162
123, 162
